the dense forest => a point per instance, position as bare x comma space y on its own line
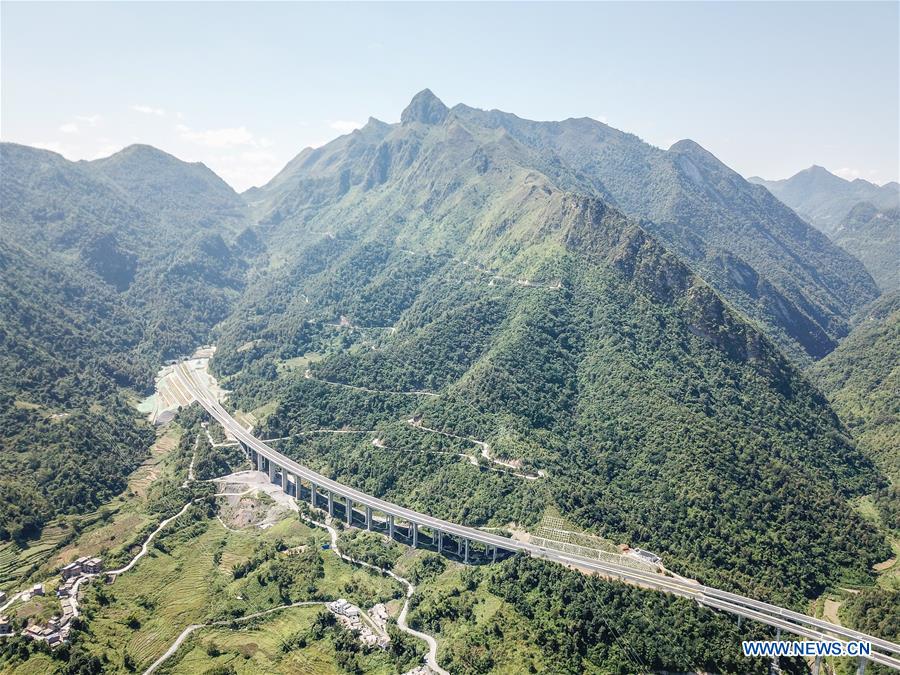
106, 269
501, 317
656, 412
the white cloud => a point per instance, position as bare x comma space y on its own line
149, 110
104, 151
848, 173
228, 137
69, 128
256, 156
90, 120
53, 146
344, 126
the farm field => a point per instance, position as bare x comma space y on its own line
96, 533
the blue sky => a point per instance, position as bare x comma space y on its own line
770, 88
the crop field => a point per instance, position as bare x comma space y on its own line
152, 604
260, 649
100, 531
17, 564
147, 608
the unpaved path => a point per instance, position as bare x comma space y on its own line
253, 478
431, 656
309, 376
197, 626
508, 467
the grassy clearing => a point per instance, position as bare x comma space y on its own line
888, 570
147, 608
260, 649
298, 363
94, 533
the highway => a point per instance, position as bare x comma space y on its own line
788, 621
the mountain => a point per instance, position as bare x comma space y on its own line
753, 250
515, 298
177, 193
106, 269
824, 199
873, 236
862, 378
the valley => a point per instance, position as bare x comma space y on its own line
475, 324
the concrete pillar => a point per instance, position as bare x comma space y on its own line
368, 518
415, 535
466, 560
312, 494
495, 555
272, 469
861, 668
440, 534
330, 503
459, 547
817, 665
390, 526
773, 666
349, 511
254, 459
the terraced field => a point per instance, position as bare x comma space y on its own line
147, 608
259, 649
105, 529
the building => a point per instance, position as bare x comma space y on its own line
66, 588
38, 589
73, 569
5, 625
646, 556
92, 566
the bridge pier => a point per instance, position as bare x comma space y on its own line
349, 511
272, 469
368, 517
459, 547
312, 494
466, 559
330, 503
440, 538
390, 526
861, 668
415, 534
817, 665
495, 555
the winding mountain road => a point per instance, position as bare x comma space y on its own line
781, 618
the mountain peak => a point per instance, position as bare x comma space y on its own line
425, 108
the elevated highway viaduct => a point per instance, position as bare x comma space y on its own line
359, 508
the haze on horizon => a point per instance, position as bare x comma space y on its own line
769, 88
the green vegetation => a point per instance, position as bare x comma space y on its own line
862, 378
525, 615
453, 284
109, 268
660, 417
873, 236
370, 547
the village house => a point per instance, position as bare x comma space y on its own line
93, 566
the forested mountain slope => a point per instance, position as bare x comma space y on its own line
549, 325
756, 252
106, 268
873, 236
862, 379
824, 199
